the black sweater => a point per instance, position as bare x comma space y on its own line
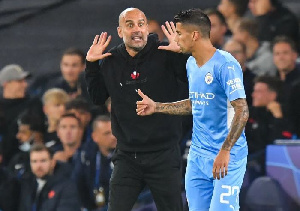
156, 73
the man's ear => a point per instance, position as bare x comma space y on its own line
119, 29
196, 35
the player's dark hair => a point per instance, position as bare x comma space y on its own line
195, 17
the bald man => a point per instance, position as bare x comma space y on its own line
147, 151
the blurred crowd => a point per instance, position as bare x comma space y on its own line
56, 145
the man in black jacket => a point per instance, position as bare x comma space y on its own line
147, 150
50, 187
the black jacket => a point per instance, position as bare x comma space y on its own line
84, 174
58, 194
281, 21
263, 128
156, 73
9, 191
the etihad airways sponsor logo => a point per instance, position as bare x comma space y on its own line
199, 98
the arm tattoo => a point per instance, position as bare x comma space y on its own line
238, 123
183, 107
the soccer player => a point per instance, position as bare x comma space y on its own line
218, 103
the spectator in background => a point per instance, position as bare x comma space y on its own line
274, 19
13, 102
30, 131
259, 55
238, 51
93, 166
218, 27
233, 11
155, 27
50, 187
266, 121
81, 109
72, 80
69, 131
54, 107
285, 56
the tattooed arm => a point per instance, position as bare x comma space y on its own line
147, 106
220, 166
183, 107
238, 123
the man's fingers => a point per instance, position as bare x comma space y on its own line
173, 26
141, 108
226, 170
165, 31
222, 172
170, 30
95, 39
141, 94
107, 41
104, 38
141, 113
106, 55
100, 38
216, 172
163, 47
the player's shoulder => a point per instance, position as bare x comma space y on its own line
226, 60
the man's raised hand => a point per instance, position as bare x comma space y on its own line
170, 32
99, 45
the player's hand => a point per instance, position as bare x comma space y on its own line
99, 45
220, 166
146, 106
170, 32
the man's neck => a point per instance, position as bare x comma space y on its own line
72, 84
207, 51
70, 150
284, 73
52, 125
131, 52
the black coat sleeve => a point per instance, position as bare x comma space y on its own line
95, 83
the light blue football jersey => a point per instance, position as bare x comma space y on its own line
211, 88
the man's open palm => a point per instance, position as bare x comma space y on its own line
99, 45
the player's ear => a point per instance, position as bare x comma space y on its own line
119, 29
196, 35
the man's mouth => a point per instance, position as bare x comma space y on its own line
136, 38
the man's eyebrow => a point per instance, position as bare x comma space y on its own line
133, 21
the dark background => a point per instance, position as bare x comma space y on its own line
34, 33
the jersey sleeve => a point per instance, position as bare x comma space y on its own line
231, 79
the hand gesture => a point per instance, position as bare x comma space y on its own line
275, 108
170, 32
146, 106
99, 45
221, 164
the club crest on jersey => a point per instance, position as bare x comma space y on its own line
135, 75
208, 78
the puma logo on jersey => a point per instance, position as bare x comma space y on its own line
232, 68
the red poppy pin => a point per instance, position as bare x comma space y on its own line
51, 194
135, 75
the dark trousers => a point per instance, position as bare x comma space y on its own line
160, 171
